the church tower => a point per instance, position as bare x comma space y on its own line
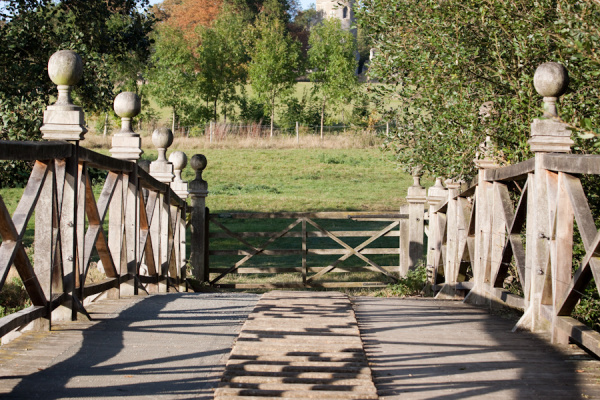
341, 10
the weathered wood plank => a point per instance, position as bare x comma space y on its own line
580, 164
310, 215
29, 151
224, 235
21, 318
510, 173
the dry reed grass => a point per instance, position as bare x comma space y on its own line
342, 141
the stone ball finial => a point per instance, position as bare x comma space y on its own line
198, 162
127, 105
179, 161
551, 79
162, 138
65, 68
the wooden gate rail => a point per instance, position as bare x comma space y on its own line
304, 220
146, 224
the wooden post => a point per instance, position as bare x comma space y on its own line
180, 187
452, 242
547, 136
162, 170
436, 194
417, 196
198, 189
481, 264
66, 121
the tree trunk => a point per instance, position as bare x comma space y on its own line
215, 111
322, 117
105, 124
173, 123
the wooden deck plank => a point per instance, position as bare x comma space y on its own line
426, 349
299, 345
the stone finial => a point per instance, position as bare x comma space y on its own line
416, 192
437, 192
551, 80
179, 161
63, 120
162, 138
126, 144
484, 157
198, 187
127, 105
417, 173
162, 169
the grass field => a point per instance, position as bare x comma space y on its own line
338, 174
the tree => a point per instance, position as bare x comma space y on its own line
331, 58
172, 74
275, 61
221, 59
110, 36
442, 63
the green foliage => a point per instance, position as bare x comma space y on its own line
305, 111
13, 297
441, 61
410, 285
331, 59
275, 63
252, 110
172, 76
221, 59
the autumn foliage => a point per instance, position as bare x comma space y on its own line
188, 15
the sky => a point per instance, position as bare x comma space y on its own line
304, 3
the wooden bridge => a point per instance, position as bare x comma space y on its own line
504, 240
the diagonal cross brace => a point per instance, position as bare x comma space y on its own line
257, 250
352, 251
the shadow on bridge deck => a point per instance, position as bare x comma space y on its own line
165, 346
428, 349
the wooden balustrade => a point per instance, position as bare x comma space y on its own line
516, 225
140, 250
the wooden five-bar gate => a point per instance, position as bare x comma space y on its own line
308, 242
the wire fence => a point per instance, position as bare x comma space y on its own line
222, 131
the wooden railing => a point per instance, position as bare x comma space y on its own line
142, 249
134, 228
509, 237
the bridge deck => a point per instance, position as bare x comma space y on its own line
174, 346
170, 346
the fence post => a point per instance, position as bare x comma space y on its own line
65, 121
162, 170
417, 196
180, 187
198, 189
436, 194
551, 80
126, 145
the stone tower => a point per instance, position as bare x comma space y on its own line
341, 10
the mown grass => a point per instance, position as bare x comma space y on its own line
341, 173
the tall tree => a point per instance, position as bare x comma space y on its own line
222, 58
331, 57
275, 61
172, 74
460, 71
